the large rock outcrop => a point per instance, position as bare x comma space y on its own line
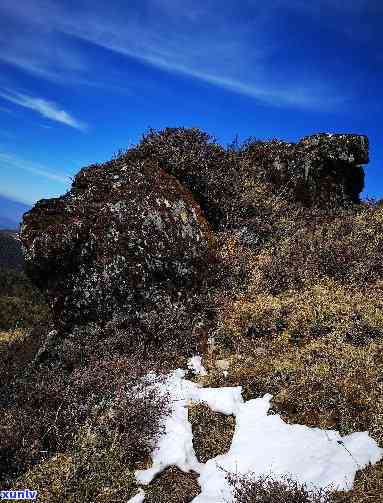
320, 169
129, 254
126, 246
198, 162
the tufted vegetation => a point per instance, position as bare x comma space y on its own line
95, 414
269, 490
308, 327
21, 304
173, 486
212, 431
261, 254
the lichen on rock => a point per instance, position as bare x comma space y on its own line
119, 254
130, 250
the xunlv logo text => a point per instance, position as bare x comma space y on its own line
24, 494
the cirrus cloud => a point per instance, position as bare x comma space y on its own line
10, 160
209, 41
45, 108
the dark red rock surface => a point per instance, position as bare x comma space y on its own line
130, 250
126, 239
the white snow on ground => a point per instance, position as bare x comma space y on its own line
225, 400
175, 447
195, 365
262, 444
138, 498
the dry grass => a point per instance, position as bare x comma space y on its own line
327, 383
368, 486
248, 489
94, 473
306, 325
173, 486
49, 478
345, 246
325, 308
11, 336
212, 432
21, 305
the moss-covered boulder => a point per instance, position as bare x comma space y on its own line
127, 245
320, 169
128, 254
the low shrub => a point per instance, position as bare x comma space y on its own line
229, 187
345, 246
266, 489
11, 256
173, 486
20, 312
50, 479
21, 305
195, 159
327, 383
212, 431
325, 308
44, 409
95, 473
368, 486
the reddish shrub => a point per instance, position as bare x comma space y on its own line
43, 410
266, 489
345, 245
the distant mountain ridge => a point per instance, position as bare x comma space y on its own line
11, 255
11, 213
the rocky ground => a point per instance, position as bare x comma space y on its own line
260, 258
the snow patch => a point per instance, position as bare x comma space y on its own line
195, 365
138, 498
225, 400
262, 444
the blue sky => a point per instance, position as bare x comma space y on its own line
80, 79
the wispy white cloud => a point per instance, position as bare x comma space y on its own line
209, 41
216, 42
9, 160
28, 40
44, 107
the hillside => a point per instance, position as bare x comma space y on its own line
10, 250
216, 329
21, 304
11, 213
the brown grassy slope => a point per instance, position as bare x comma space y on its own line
308, 325
21, 305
